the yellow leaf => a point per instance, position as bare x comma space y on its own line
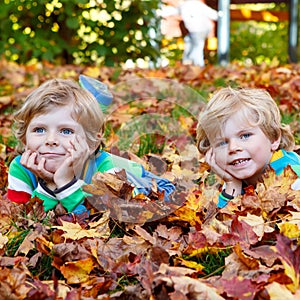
290, 230
102, 225
191, 264
186, 214
77, 271
74, 231
291, 272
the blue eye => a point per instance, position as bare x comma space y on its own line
245, 136
67, 131
221, 144
39, 130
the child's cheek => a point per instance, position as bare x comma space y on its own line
220, 159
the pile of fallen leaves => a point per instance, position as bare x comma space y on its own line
182, 249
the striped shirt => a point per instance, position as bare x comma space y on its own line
23, 184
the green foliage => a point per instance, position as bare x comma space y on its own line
78, 31
251, 42
257, 42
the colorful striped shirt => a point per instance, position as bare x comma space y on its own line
23, 184
279, 161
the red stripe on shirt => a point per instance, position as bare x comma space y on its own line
18, 196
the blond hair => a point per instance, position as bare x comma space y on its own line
258, 107
62, 92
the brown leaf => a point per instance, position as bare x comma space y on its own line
250, 262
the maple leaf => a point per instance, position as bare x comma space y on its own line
241, 232
263, 253
189, 211
250, 262
110, 184
13, 283
171, 234
186, 214
76, 232
275, 190
289, 230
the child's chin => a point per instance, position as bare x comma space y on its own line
51, 167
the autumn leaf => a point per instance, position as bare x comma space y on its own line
275, 190
240, 288
290, 259
258, 224
77, 271
100, 255
290, 230
190, 264
76, 232
278, 291
250, 262
241, 232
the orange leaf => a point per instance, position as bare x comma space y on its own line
77, 271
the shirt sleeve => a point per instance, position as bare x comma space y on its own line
136, 174
21, 182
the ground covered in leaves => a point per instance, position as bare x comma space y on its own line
143, 248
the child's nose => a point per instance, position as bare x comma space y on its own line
51, 139
234, 146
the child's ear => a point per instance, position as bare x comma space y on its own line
275, 144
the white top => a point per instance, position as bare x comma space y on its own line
197, 16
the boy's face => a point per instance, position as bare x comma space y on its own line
243, 150
50, 136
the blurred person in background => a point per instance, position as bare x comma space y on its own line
198, 19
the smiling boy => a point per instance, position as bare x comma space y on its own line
60, 127
240, 133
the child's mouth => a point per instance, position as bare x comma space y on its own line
239, 161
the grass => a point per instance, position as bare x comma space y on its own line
213, 260
14, 243
151, 143
44, 269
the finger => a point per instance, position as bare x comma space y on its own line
25, 156
41, 164
209, 156
29, 160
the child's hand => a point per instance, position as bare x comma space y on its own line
73, 165
233, 185
29, 161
